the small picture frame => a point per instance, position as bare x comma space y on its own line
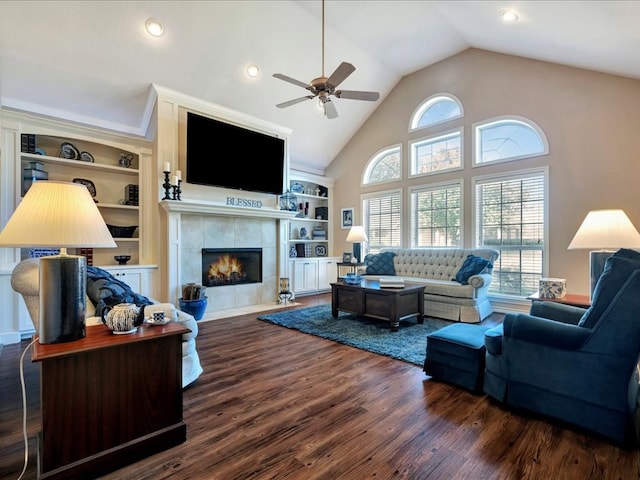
346, 257
346, 217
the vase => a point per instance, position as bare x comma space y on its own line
194, 307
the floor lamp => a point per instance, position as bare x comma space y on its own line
604, 231
59, 215
357, 235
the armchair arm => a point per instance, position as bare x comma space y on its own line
544, 332
557, 311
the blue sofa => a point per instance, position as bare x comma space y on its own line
572, 364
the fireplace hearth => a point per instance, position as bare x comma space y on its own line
231, 266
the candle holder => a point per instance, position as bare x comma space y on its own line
167, 186
175, 192
179, 191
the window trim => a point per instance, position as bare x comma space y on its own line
430, 187
449, 133
426, 104
476, 138
375, 158
511, 175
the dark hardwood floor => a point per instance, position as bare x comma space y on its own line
275, 403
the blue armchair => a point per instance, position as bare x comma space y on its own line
572, 364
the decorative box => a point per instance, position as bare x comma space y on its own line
552, 288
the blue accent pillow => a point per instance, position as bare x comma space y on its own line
380, 263
472, 265
617, 270
104, 290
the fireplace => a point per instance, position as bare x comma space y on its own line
231, 266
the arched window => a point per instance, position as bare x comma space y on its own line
508, 138
436, 109
384, 166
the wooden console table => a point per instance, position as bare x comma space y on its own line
109, 400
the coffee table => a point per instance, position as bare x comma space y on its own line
370, 300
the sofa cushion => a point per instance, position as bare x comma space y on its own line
472, 265
380, 263
105, 290
616, 272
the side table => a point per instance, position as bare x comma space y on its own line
109, 400
573, 299
347, 267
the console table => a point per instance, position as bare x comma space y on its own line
109, 400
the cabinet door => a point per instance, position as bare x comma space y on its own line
305, 276
133, 278
327, 273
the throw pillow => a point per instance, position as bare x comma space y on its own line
617, 270
104, 290
472, 265
380, 263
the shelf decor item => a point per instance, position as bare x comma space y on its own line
288, 202
69, 152
42, 219
32, 174
90, 186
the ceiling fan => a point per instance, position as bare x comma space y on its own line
323, 87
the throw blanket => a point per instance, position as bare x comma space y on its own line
104, 290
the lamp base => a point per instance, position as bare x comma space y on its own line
597, 259
357, 251
63, 305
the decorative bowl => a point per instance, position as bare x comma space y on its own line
122, 259
121, 232
352, 279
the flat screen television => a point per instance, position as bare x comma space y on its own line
223, 155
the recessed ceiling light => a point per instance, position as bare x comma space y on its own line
253, 70
154, 27
508, 15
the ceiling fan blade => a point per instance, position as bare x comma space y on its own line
291, 80
358, 95
330, 109
294, 101
343, 71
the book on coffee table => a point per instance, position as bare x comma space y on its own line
391, 282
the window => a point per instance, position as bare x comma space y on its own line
436, 154
382, 214
434, 110
436, 213
510, 217
508, 138
384, 166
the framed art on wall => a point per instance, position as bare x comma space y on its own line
346, 217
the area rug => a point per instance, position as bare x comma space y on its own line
408, 343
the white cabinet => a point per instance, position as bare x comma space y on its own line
305, 275
327, 272
311, 275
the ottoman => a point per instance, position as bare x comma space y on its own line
456, 354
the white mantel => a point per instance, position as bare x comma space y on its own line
213, 208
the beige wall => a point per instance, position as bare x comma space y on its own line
591, 121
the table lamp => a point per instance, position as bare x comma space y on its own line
59, 215
606, 231
357, 235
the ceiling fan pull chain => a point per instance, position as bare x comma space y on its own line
323, 38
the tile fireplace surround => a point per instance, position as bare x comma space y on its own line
193, 226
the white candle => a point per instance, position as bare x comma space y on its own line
167, 167
175, 180
179, 174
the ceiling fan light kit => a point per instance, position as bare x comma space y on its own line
323, 87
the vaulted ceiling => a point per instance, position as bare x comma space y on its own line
92, 61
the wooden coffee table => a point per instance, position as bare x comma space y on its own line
368, 299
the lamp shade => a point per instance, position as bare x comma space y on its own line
59, 215
356, 234
606, 229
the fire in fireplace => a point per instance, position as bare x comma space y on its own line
231, 266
